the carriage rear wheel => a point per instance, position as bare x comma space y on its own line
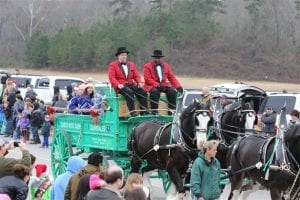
61, 150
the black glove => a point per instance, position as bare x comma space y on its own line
180, 90
161, 88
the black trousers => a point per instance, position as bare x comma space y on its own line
155, 95
128, 91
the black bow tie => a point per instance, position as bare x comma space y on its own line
123, 63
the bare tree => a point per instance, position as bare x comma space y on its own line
34, 13
122, 7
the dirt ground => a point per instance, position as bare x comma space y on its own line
187, 82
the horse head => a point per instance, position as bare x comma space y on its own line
248, 115
193, 119
236, 120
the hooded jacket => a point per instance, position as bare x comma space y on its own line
74, 164
71, 190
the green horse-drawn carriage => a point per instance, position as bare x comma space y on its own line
78, 135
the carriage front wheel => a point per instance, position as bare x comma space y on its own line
61, 150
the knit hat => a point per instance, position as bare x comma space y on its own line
41, 170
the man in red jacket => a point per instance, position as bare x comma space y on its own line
126, 80
156, 75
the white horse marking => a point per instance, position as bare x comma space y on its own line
250, 118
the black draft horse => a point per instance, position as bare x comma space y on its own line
164, 147
273, 162
236, 121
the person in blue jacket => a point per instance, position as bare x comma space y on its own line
205, 176
86, 101
74, 103
75, 163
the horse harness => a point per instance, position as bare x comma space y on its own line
277, 161
157, 146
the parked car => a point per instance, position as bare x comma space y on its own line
277, 100
23, 80
44, 86
237, 91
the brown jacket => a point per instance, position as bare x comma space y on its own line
71, 191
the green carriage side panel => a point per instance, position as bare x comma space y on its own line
110, 136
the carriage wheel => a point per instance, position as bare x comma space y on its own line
61, 150
165, 179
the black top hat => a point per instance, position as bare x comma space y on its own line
122, 50
157, 54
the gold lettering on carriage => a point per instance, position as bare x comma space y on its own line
70, 125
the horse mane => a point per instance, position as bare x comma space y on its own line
234, 106
292, 133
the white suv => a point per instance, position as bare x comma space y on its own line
188, 96
23, 80
277, 100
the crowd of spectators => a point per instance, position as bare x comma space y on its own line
24, 179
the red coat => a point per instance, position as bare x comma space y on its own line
117, 76
152, 79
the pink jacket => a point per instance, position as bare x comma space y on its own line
96, 182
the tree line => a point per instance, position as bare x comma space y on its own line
248, 39
71, 48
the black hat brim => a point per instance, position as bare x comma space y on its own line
121, 52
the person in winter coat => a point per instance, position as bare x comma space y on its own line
134, 181
75, 163
268, 119
15, 186
36, 120
88, 182
114, 177
156, 75
56, 95
10, 100
30, 93
46, 131
294, 118
75, 102
205, 176
94, 165
40, 188
6, 164
86, 102
22, 126
125, 79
